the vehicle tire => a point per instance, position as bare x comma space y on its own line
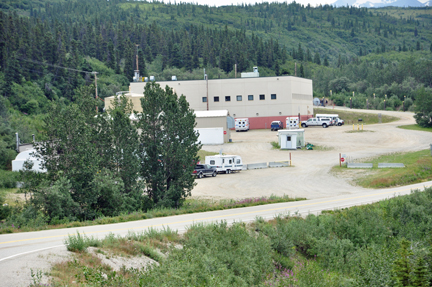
339, 124
228, 171
200, 175
304, 125
324, 125
214, 174
271, 129
237, 131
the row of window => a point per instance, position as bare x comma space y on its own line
239, 98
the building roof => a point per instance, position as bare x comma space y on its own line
211, 114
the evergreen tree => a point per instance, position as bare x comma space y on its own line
420, 274
317, 59
169, 148
326, 63
142, 63
402, 267
302, 74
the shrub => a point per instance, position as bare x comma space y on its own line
79, 243
8, 179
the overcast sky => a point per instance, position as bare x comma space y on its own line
239, 2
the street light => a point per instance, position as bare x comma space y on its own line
384, 105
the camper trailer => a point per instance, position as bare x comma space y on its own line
225, 163
241, 124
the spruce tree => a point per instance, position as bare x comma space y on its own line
402, 267
420, 274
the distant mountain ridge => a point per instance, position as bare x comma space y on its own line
381, 3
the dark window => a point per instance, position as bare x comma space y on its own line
204, 99
212, 162
262, 97
239, 98
250, 97
273, 96
216, 99
227, 98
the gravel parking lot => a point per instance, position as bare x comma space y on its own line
310, 177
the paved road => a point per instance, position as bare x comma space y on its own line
21, 252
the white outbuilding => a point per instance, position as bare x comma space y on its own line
27, 155
291, 139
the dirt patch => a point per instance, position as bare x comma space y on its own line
117, 262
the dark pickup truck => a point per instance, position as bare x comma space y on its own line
203, 170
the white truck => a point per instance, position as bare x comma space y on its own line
225, 163
242, 124
324, 122
334, 117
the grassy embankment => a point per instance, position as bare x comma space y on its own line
418, 168
415, 128
358, 246
351, 116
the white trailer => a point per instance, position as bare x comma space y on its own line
242, 124
225, 163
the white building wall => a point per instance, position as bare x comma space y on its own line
293, 95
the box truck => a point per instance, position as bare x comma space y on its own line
242, 124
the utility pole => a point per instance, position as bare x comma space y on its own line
295, 69
206, 77
95, 74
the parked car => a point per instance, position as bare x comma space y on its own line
204, 170
324, 122
276, 125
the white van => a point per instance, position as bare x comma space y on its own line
241, 124
225, 163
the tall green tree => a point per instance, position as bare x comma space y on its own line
169, 146
423, 110
122, 146
75, 157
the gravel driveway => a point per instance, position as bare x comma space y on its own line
310, 177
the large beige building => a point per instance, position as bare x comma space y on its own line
262, 99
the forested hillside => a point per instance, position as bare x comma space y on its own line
50, 48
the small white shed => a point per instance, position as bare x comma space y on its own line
211, 135
18, 163
291, 139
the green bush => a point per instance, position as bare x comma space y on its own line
214, 255
79, 243
8, 179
